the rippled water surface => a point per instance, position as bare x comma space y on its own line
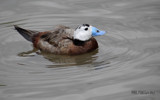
125, 67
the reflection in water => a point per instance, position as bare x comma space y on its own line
127, 59
68, 60
63, 60
75, 60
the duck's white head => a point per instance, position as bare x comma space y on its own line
85, 32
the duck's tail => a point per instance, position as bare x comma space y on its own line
27, 34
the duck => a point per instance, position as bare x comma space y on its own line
63, 40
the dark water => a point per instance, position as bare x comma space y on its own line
125, 67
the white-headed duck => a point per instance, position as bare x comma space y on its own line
64, 40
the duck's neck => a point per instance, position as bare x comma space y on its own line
78, 42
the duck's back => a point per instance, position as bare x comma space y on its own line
56, 41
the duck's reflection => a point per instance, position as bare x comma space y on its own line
63, 60
66, 60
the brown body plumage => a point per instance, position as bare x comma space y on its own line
58, 41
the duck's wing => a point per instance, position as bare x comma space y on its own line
58, 34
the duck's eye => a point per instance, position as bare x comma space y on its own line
86, 29
97, 31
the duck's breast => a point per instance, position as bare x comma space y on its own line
87, 47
